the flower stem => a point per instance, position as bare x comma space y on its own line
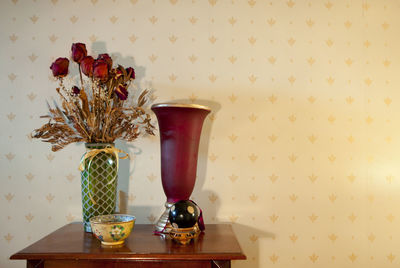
80, 75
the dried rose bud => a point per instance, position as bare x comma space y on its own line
100, 70
131, 72
121, 92
76, 90
87, 65
78, 52
60, 67
118, 73
105, 57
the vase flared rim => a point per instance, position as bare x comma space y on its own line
181, 105
98, 144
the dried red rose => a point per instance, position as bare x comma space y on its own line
60, 67
76, 90
78, 52
100, 70
105, 57
131, 72
87, 65
121, 92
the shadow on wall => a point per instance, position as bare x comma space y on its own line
125, 170
249, 240
204, 145
124, 173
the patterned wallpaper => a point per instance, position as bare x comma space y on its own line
300, 153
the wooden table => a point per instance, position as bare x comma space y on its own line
70, 247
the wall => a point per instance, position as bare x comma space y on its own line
300, 153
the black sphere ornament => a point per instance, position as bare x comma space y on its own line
183, 214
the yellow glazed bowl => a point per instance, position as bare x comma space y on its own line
112, 229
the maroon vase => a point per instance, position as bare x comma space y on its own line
180, 129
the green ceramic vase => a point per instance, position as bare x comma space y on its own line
99, 184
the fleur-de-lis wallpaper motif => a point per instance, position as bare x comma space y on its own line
300, 152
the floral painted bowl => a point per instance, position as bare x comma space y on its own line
112, 229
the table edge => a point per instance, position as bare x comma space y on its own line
20, 255
43, 256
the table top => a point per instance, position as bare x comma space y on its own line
218, 242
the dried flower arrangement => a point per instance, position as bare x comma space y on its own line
97, 111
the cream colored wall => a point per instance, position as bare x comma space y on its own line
301, 152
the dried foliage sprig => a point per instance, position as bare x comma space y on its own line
98, 110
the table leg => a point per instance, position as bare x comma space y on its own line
221, 264
34, 264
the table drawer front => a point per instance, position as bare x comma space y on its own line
125, 264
